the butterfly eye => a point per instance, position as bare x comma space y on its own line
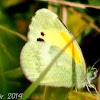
40, 39
42, 34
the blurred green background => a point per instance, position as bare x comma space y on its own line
15, 17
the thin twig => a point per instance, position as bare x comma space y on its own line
6, 52
64, 15
14, 83
94, 26
72, 4
80, 15
11, 71
13, 32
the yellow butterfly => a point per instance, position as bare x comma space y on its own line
46, 37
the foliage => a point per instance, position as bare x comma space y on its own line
15, 17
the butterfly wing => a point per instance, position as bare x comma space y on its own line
36, 55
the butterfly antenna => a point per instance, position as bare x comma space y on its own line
96, 62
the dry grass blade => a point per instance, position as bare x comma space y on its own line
13, 32
72, 4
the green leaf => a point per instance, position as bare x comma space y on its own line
94, 2
10, 47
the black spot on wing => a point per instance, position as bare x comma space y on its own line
40, 39
42, 34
